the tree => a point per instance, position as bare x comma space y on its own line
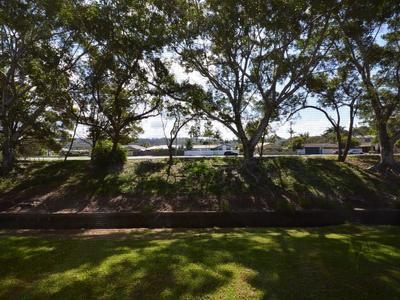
362, 130
194, 130
253, 57
122, 71
180, 117
369, 41
37, 52
297, 142
189, 144
251, 128
336, 93
210, 132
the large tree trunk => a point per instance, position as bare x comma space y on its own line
248, 151
114, 145
387, 163
115, 141
387, 149
8, 162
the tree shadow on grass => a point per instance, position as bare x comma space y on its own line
349, 262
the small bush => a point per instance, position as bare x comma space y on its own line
285, 206
103, 156
224, 206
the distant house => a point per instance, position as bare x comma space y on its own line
318, 148
162, 150
369, 147
134, 150
80, 147
367, 143
268, 148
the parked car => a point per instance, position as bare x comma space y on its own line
356, 151
231, 153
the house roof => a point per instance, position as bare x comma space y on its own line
80, 143
205, 146
366, 145
157, 147
270, 146
135, 147
320, 145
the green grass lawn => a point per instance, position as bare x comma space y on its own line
344, 262
281, 183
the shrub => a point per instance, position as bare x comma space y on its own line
103, 156
189, 145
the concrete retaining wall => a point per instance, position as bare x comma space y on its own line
197, 219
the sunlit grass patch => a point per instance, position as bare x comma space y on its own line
343, 262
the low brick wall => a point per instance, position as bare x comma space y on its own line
306, 218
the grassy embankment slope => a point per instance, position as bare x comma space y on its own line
343, 262
282, 183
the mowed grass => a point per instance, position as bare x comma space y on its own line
221, 184
343, 262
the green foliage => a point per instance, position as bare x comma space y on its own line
189, 144
194, 130
121, 76
362, 130
297, 142
37, 49
104, 156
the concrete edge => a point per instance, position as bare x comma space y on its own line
306, 218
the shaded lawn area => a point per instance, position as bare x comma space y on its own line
343, 262
216, 184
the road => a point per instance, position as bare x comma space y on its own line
148, 157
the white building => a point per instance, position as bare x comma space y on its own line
223, 149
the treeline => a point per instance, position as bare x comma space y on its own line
111, 64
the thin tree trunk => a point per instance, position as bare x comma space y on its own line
339, 142
262, 145
170, 158
349, 136
72, 142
